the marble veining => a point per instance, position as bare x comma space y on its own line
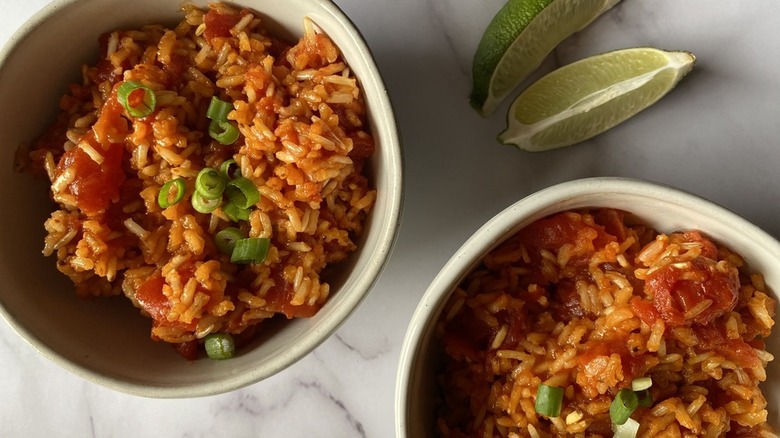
715, 135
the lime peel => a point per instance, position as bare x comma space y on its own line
537, 121
518, 39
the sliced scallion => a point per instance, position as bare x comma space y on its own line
250, 250
229, 169
242, 192
628, 429
225, 132
171, 192
210, 184
235, 213
138, 99
624, 404
220, 346
218, 109
645, 398
226, 239
641, 383
203, 205
549, 400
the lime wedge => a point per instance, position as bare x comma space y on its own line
585, 98
518, 39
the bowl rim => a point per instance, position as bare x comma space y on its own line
387, 228
497, 229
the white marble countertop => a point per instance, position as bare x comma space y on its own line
716, 135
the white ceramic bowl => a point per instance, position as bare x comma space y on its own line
664, 208
107, 341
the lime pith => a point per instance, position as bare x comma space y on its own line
588, 97
518, 39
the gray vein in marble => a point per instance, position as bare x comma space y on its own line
327, 395
92, 425
252, 405
437, 20
381, 350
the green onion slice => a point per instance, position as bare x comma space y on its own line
645, 398
171, 192
641, 383
203, 205
226, 239
220, 346
549, 400
138, 99
250, 250
242, 192
229, 169
235, 213
628, 429
218, 109
624, 404
210, 184
224, 132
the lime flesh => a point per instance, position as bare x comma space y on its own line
588, 97
518, 39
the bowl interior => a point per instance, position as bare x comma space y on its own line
106, 340
663, 208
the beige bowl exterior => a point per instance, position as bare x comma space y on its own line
664, 208
107, 341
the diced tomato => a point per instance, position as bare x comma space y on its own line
736, 350
278, 300
219, 25
150, 296
551, 233
555, 231
188, 350
645, 310
709, 250
95, 185
110, 126
678, 290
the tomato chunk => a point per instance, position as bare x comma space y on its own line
278, 300
679, 291
188, 350
553, 232
736, 350
218, 24
95, 185
151, 298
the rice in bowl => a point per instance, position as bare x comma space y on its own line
590, 301
302, 143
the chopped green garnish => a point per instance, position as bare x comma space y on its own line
549, 400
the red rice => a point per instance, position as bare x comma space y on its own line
577, 301
304, 142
